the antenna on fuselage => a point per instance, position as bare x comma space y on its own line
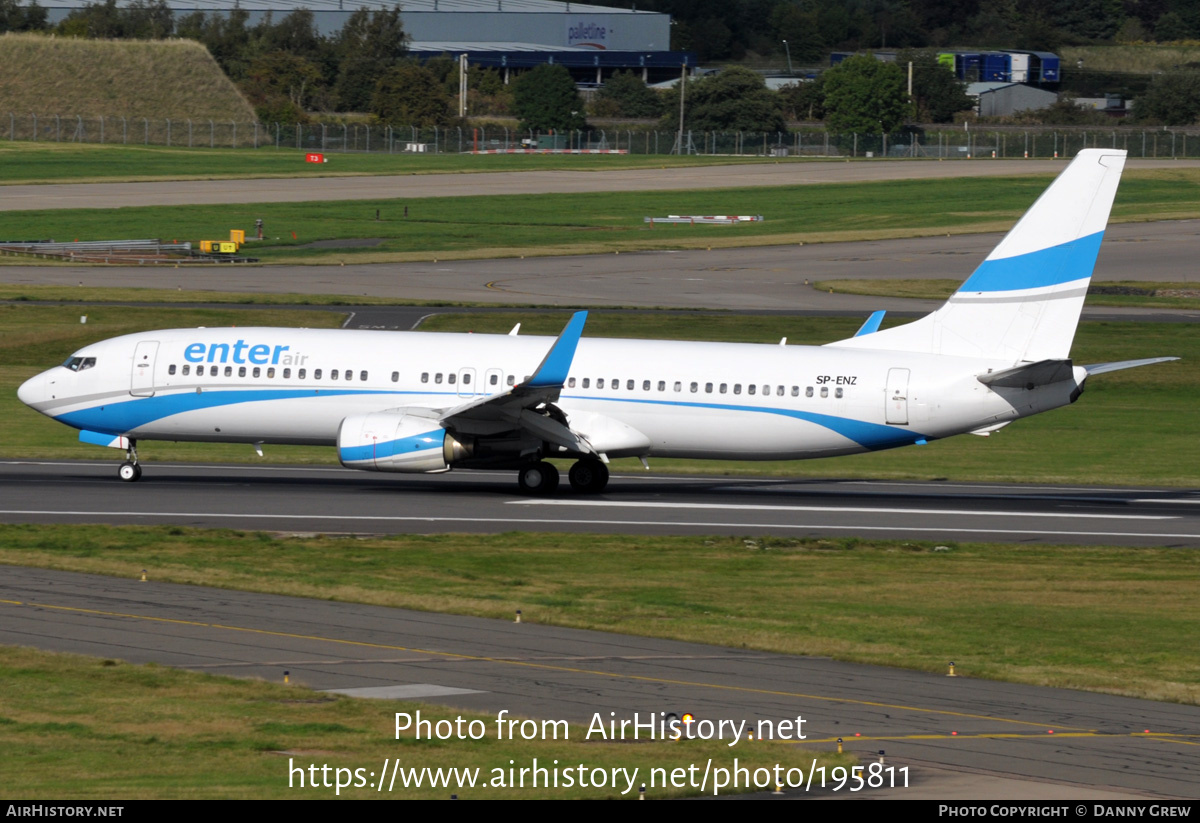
514, 331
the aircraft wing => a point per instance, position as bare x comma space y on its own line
518, 407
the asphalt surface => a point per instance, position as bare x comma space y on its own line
302, 189
763, 278
958, 737
329, 499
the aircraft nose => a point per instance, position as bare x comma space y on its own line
33, 390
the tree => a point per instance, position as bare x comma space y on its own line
281, 86
737, 99
409, 94
629, 96
865, 96
545, 98
804, 100
368, 45
15, 17
1173, 99
937, 93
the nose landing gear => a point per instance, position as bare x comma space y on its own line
130, 470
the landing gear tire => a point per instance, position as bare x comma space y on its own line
538, 478
588, 476
129, 471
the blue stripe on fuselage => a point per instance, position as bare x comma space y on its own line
1047, 267
120, 417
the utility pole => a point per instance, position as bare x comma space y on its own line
682, 86
789, 57
462, 85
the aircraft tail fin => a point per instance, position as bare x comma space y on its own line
1023, 302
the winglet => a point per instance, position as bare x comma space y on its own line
552, 373
872, 324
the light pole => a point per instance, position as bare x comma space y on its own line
788, 51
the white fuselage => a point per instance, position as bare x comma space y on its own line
701, 400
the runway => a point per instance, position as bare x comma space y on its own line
763, 278
328, 499
1004, 741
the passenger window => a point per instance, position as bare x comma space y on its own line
437, 378
766, 391
724, 388
695, 387
362, 375
200, 371
271, 372
645, 385
452, 378
708, 387
586, 380
824, 391
316, 374
737, 388
186, 369
511, 379
257, 372
287, 374
629, 385
751, 389
808, 392
396, 377
424, 377
241, 371
779, 392
495, 380
301, 373
662, 385
229, 371
171, 369
599, 382
570, 382
466, 379
349, 374
837, 392
795, 391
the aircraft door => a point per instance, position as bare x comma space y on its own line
466, 383
897, 397
142, 381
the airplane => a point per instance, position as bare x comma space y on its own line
998, 350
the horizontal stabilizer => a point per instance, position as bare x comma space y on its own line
1029, 375
1101, 368
872, 324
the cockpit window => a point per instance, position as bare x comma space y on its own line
79, 363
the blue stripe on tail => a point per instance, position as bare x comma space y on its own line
1046, 267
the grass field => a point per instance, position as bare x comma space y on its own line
94, 729
1147, 294
28, 162
1109, 619
1131, 427
498, 226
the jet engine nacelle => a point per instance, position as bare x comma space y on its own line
397, 442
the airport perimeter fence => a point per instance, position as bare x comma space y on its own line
948, 143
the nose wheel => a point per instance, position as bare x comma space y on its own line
130, 471
538, 478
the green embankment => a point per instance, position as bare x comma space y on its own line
1133, 427
173, 79
512, 225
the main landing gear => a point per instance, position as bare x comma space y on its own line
586, 476
130, 470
